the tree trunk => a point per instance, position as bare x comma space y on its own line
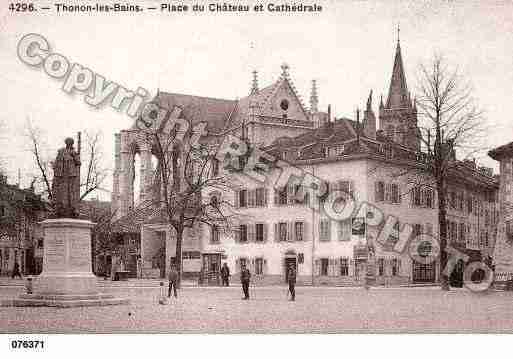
442, 223
178, 255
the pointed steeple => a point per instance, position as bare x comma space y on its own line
369, 119
314, 99
369, 102
398, 92
254, 83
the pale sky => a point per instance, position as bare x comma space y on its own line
348, 48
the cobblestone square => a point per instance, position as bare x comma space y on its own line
316, 310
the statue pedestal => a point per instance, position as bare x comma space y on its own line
67, 279
66, 258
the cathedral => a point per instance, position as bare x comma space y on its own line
360, 155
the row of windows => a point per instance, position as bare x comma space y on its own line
256, 265
286, 195
387, 192
469, 204
251, 198
297, 231
292, 231
464, 234
340, 266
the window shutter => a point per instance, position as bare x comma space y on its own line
251, 232
399, 194
388, 192
252, 265
276, 233
412, 197
237, 198
329, 230
376, 192
275, 191
266, 195
265, 266
290, 194
237, 234
306, 232
251, 198
290, 231
265, 232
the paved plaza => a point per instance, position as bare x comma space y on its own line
316, 310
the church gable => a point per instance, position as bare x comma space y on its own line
283, 103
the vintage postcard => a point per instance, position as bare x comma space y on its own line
255, 167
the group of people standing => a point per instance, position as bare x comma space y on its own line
245, 279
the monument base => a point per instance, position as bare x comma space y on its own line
67, 279
64, 300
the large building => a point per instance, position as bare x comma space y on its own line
21, 236
503, 250
380, 165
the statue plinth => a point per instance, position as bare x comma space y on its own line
67, 279
66, 258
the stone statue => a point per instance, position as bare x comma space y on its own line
66, 182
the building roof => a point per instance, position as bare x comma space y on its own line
502, 151
313, 145
214, 111
134, 219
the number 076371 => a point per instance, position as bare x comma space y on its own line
27, 344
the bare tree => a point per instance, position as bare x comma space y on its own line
91, 179
450, 120
187, 172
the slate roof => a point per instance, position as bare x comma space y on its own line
501, 151
312, 146
134, 219
214, 111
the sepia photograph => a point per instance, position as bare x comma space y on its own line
255, 167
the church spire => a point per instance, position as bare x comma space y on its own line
398, 92
254, 83
314, 99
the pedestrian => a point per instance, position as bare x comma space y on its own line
245, 277
173, 281
16, 270
291, 278
225, 275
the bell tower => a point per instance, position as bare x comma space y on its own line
398, 116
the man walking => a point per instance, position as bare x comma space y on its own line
173, 280
291, 277
16, 270
225, 275
245, 277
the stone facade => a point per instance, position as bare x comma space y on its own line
356, 156
503, 251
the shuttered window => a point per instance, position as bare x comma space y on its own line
324, 230
324, 266
299, 231
344, 266
380, 191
